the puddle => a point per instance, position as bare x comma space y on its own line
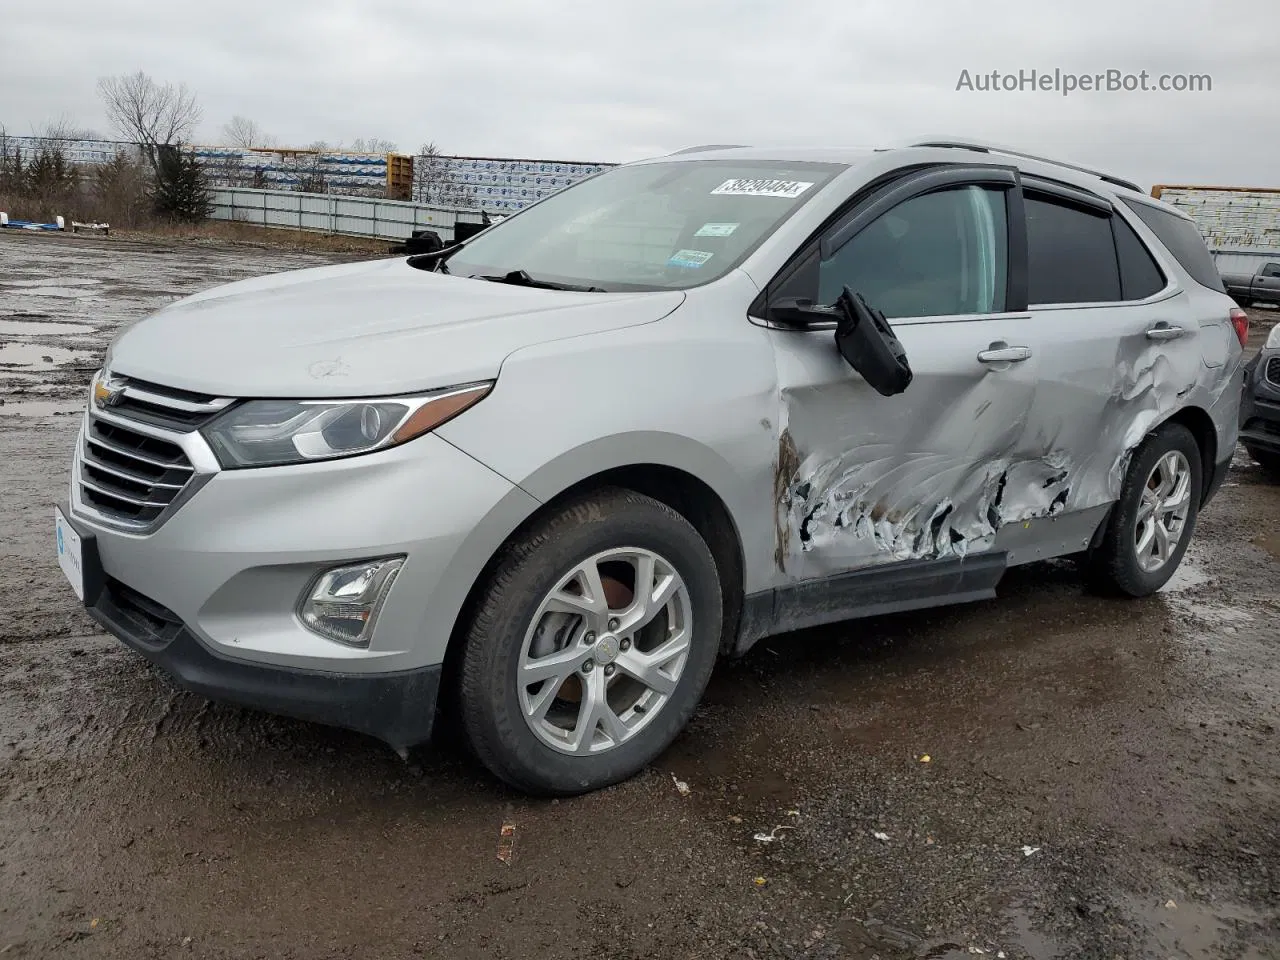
1269, 542
40, 408
16, 376
70, 293
1189, 929
35, 356
1186, 577
35, 328
1029, 940
58, 282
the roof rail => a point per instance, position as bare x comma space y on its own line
1008, 151
708, 146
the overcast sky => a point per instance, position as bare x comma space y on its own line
612, 80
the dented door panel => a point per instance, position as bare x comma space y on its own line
1104, 385
1146, 382
934, 472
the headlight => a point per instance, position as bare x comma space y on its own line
262, 433
1273, 340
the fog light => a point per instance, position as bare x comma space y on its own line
343, 602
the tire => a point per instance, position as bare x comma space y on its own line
1267, 460
534, 754
1116, 565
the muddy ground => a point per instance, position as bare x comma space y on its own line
1102, 777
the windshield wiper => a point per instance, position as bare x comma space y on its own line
521, 278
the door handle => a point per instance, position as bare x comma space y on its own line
1164, 331
1004, 354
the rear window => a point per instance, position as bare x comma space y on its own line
1183, 240
1140, 277
1071, 256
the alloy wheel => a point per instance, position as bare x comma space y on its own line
604, 651
1163, 511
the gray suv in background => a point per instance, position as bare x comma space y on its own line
1260, 411
549, 476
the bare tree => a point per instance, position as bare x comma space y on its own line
372, 145
436, 180
64, 128
148, 113
243, 132
309, 167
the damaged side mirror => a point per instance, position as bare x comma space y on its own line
863, 337
867, 343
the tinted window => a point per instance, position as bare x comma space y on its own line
1071, 256
1271, 270
1183, 240
934, 255
1139, 275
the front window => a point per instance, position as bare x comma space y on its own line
655, 226
938, 254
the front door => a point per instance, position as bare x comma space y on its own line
865, 479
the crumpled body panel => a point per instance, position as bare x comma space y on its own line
969, 449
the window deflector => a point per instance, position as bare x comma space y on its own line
799, 273
913, 186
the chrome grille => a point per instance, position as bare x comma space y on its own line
179, 410
1272, 372
133, 464
127, 475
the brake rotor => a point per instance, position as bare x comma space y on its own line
618, 596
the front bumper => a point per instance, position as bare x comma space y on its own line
398, 708
233, 561
1260, 406
211, 593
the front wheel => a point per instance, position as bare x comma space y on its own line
1152, 522
591, 646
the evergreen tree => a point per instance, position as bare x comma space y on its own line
181, 190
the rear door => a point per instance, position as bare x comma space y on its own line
864, 479
1120, 347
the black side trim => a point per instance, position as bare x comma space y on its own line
892, 588
1017, 282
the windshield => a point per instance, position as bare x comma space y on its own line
655, 226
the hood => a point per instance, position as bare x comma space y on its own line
363, 329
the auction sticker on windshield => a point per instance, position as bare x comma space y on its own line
789, 189
716, 230
691, 259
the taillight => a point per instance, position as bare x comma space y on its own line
1240, 320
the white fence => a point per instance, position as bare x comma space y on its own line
328, 213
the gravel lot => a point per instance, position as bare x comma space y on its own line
1102, 777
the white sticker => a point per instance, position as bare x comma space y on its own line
790, 189
689, 258
716, 230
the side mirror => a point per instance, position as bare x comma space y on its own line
867, 343
799, 312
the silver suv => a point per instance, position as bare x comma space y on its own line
547, 477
